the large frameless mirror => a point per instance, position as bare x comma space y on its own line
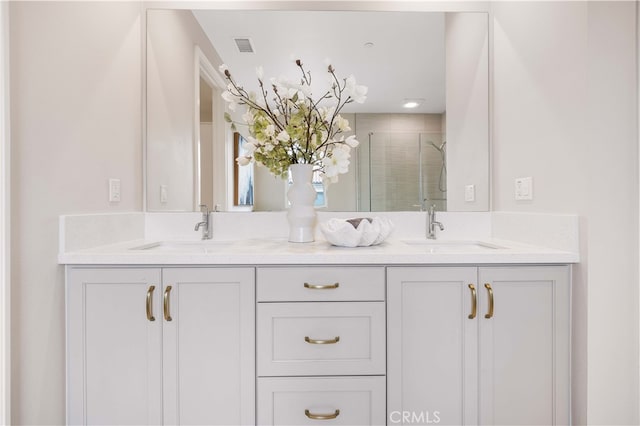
436, 152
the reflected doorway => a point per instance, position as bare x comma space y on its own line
205, 147
209, 136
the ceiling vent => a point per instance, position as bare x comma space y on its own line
244, 45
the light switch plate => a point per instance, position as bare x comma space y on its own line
114, 190
469, 193
524, 188
164, 196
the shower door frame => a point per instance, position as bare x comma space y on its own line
5, 244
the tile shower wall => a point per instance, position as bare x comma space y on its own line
401, 192
396, 171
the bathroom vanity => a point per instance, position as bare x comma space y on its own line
268, 332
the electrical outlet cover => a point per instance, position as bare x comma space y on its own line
524, 188
114, 190
469, 193
163, 194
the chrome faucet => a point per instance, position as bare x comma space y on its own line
432, 223
205, 224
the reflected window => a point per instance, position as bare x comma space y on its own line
242, 175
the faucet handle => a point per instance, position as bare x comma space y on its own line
204, 209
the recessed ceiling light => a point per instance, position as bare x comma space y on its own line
412, 103
368, 45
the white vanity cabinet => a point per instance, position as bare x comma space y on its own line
487, 345
114, 353
160, 345
321, 345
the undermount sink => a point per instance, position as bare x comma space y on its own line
204, 246
453, 245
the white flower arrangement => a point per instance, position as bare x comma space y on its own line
292, 127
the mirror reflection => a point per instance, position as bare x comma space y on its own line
403, 167
408, 158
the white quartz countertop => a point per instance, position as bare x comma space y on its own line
282, 252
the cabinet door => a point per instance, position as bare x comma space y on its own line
114, 351
432, 346
209, 346
524, 346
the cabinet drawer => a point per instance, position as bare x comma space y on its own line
317, 284
340, 338
306, 401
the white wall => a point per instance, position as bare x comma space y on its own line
270, 192
75, 122
467, 70
564, 113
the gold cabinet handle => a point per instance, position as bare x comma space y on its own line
321, 287
167, 307
150, 316
312, 416
322, 342
474, 302
490, 290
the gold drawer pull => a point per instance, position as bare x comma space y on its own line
321, 342
167, 306
312, 416
490, 290
321, 287
474, 302
150, 316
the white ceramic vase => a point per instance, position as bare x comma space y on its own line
302, 196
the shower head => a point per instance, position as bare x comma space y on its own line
439, 148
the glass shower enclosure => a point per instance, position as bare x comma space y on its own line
403, 171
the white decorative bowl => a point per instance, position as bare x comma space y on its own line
358, 232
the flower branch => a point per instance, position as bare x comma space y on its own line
294, 128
